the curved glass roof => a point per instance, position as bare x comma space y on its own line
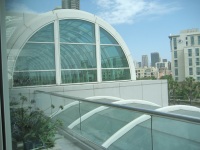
67, 51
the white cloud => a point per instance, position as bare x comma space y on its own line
129, 11
17, 7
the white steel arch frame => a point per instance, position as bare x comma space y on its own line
20, 38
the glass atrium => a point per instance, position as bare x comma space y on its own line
68, 50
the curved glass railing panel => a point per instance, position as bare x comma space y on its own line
106, 38
175, 134
45, 34
138, 138
113, 57
78, 56
73, 113
101, 125
115, 74
76, 31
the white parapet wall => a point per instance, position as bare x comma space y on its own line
155, 91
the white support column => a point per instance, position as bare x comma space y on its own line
98, 53
57, 52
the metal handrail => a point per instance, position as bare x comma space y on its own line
145, 111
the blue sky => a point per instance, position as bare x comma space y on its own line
143, 24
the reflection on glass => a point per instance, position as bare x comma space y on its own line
106, 38
76, 31
104, 123
115, 74
138, 138
77, 56
34, 78
76, 76
46, 34
36, 56
176, 134
113, 57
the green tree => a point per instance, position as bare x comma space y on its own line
173, 88
190, 89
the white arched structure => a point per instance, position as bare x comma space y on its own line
28, 29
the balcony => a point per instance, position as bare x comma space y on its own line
97, 123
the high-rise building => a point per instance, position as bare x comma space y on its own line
185, 54
154, 58
71, 4
144, 60
164, 60
139, 64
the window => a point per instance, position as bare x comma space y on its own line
190, 71
189, 52
186, 38
190, 61
175, 43
186, 43
175, 54
198, 40
176, 72
197, 51
175, 63
192, 40
198, 78
197, 61
198, 70
176, 78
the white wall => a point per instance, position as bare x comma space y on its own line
150, 90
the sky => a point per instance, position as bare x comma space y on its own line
143, 24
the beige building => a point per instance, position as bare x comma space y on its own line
185, 54
146, 72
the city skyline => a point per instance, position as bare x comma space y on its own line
145, 26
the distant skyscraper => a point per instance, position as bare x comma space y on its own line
154, 58
139, 64
164, 60
71, 4
144, 60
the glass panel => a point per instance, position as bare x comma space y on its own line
77, 31
175, 63
190, 61
176, 72
198, 70
175, 43
190, 71
175, 54
115, 74
34, 78
77, 56
197, 61
106, 38
46, 34
170, 134
189, 52
192, 40
104, 122
138, 138
113, 57
76, 76
36, 56
197, 51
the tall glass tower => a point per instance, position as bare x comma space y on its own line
154, 58
71, 4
